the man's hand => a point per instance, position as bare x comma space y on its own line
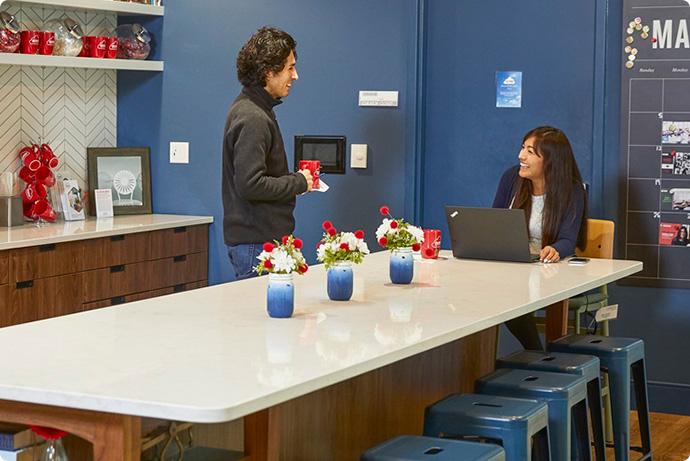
549, 254
310, 180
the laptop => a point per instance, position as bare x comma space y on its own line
496, 234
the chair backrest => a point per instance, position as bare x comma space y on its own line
599, 239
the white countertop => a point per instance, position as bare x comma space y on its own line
214, 355
67, 231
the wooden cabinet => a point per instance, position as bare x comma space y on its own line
58, 279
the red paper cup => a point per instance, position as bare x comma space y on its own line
85, 47
112, 45
97, 46
31, 40
432, 243
314, 167
46, 43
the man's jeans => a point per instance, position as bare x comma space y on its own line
243, 259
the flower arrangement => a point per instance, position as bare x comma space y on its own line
337, 246
284, 257
393, 233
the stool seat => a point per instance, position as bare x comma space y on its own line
632, 349
566, 396
415, 448
521, 425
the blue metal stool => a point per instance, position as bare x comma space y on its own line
415, 448
586, 366
618, 357
520, 425
566, 396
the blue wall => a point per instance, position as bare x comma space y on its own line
570, 53
343, 47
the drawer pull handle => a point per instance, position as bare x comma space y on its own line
25, 284
117, 238
119, 268
179, 259
117, 300
179, 230
179, 288
47, 247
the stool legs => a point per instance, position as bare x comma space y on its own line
595, 414
619, 390
580, 449
640, 379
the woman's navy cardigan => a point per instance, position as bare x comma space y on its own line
570, 225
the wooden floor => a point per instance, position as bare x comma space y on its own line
670, 437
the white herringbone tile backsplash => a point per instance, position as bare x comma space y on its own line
71, 109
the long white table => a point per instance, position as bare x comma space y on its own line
213, 354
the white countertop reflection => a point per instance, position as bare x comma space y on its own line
214, 355
66, 231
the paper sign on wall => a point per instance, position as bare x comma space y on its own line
508, 89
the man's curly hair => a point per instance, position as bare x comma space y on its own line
266, 50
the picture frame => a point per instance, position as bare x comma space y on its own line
126, 171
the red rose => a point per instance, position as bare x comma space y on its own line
394, 224
302, 269
359, 234
298, 243
344, 246
332, 231
416, 247
429, 252
384, 210
383, 241
268, 247
327, 225
285, 239
268, 264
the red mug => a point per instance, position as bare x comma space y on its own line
112, 46
97, 46
45, 176
27, 175
432, 243
31, 41
34, 191
85, 48
30, 158
314, 166
46, 43
41, 209
48, 157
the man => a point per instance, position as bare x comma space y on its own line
258, 189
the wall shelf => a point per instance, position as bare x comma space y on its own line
123, 8
85, 63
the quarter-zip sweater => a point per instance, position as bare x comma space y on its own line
258, 189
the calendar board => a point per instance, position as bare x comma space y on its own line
654, 225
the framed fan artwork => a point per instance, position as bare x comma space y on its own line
126, 171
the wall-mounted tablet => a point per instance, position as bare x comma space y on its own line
329, 150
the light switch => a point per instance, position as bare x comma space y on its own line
179, 152
358, 156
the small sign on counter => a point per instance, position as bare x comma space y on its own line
104, 203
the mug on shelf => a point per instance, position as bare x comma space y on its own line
46, 43
31, 40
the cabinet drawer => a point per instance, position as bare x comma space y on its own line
4, 266
4, 303
118, 280
127, 299
179, 241
118, 249
44, 298
179, 269
46, 261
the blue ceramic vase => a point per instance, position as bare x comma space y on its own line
339, 281
281, 296
401, 266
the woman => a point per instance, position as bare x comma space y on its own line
548, 186
681, 237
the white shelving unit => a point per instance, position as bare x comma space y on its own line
86, 63
102, 5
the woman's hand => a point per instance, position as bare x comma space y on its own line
549, 254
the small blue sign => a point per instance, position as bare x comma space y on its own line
508, 89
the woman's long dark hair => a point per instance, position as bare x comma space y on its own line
563, 184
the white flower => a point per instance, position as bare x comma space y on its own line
350, 239
416, 232
383, 229
362, 247
283, 262
264, 256
334, 246
321, 252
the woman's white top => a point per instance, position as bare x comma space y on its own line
535, 222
